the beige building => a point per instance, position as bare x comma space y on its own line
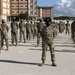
4, 9
22, 6
13, 8
32, 8
45, 12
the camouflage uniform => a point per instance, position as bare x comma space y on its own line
0, 37
61, 26
47, 41
14, 31
67, 25
28, 31
22, 27
35, 29
32, 29
54, 26
40, 25
73, 31
4, 33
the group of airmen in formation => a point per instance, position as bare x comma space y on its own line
47, 31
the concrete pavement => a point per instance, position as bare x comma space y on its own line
24, 59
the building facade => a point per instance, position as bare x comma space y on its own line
13, 8
45, 12
32, 8
4, 9
23, 6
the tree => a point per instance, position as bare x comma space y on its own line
24, 16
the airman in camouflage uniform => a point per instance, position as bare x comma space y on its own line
40, 25
32, 29
73, 30
61, 26
67, 26
47, 41
28, 31
4, 33
22, 27
14, 31
55, 28
0, 38
35, 29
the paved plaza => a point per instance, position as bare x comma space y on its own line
25, 58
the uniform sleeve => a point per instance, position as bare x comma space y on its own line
7, 28
24, 25
53, 31
11, 25
17, 25
0, 28
42, 32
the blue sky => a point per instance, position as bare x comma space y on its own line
61, 7
46, 2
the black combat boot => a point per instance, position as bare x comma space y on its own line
24, 41
12, 44
53, 64
16, 44
7, 48
1, 48
37, 45
42, 64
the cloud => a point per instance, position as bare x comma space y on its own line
64, 8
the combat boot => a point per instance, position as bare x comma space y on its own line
24, 41
37, 45
2, 48
42, 64
12, 44
53, 64
7, 48
16, 45
0, 51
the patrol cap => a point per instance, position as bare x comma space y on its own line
21, 19
40, 20
14, 18
27, 20
3, 20
67, 21
47, 19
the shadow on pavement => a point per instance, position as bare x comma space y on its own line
65, 45
18, 62
33, 45
64, 50
35, 49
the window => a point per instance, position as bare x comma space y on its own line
16, 11
12, 11
21, 11
12, 6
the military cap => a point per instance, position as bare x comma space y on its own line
21, 19
3, 20
67, 21
47, 20
27, 20
14, 18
